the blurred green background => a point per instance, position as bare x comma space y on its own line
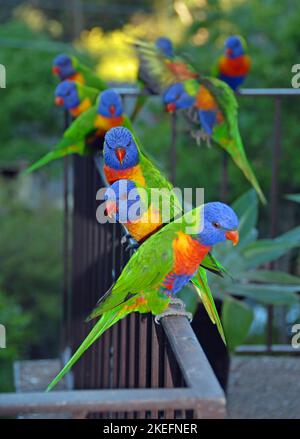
31, 34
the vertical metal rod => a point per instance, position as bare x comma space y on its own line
273, 214
66, 263
224, 178
173, 151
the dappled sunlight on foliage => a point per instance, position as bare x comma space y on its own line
37, 20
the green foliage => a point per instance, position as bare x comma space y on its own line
30, 275
244, 263
29, 120
236, 314
17, 323
294, 197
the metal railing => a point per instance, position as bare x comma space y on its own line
201, 398
141, 370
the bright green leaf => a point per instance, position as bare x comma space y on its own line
237, 318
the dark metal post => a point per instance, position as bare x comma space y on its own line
274, 199
66, 250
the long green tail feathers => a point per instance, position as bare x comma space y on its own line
232, 143
63, 149
106, 321
200, 283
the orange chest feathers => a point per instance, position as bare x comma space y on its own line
235, 67
188, 254
135, 174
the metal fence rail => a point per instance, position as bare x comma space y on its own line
140, 369
202, 398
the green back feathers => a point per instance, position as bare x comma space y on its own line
91, 79
87, 92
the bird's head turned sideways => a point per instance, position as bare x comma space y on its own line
63, 66
66, 94
120, 149
110, 104
165, 46
123, 201
177, 98
219, 223
234, 46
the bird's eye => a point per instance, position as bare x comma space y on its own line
216, 225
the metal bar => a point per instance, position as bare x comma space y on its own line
132, 91
269, 92
194, 366
78, 401
273, 213
277, 349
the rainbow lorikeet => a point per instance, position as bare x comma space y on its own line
144, 211
145, 80
69, 67
234, 65
75, 97
206, 101
159, 66
213, 107
86, 132
159, 269
124, 159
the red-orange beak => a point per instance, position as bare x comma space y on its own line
59, 101
110, 208
112, 110
56, 70
120, 154
171, 107
229, 52
233, 236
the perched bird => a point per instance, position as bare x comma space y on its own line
212, 108
207, 102
124, 159
160, 268
85, 134
139, 208
75, 97
69, 67
234, 65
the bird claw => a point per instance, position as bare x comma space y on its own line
176, 308
201, 135
129, 242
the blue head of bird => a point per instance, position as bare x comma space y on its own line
234, 47
120, 150
63, 66
66, 94
219, 223
110, 104
123, 202
165, 46
177, 98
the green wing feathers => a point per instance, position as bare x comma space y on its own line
227, 134
201, 285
